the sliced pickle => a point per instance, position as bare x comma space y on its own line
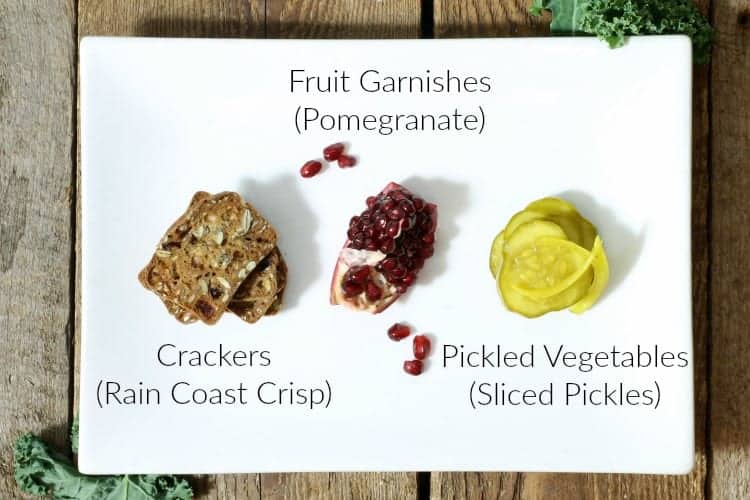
549, 257
532, 308
519, 219
579, 229
496, 253
570, 224
552, 205
600, 268
526, 234
588, 233
548, 267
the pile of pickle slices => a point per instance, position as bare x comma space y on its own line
548, 258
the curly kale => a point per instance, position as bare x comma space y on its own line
614, 20
42, 471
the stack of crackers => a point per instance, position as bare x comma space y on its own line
220, 255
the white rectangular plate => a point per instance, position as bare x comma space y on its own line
607, 129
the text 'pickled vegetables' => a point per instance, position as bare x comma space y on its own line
549, 257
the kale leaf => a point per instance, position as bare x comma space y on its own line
41, 471
566, 14
614, 20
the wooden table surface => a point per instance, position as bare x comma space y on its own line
38, 187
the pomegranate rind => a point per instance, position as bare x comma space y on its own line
343, 264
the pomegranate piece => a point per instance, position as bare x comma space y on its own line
346, 161
387, 245
332, 152
421, 346
413, 367
398, 332
310, 168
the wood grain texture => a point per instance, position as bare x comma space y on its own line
730, 263
487, 18
343, 18
259, 18
37, 62
336, 485
189, 18
510, 17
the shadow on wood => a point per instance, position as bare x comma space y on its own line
194, 28
334, 30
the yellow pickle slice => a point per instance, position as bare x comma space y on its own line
547, 258
548, 267
600, 267
526, 234
496, 253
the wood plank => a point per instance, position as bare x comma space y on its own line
37, 92
487, 18
190, 18
195, 18
730, 262
510, 17
338, 485
341, 19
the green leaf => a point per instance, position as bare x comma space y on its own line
566, 14
150, 487
41, 471
537, 6
74, 436
614, 20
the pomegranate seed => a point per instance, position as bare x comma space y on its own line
392, 229
402, 289
409, 279
418, 204
398, 272
387, 246
413, 367
426, 252
381, 221
389, 205
351, 289
346, 161
407, 207
310, 168
371, 245
333, 152
359, 274
398, 331
396, 214
428, 238
421, 346
389, 263
358, 241
373, 292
